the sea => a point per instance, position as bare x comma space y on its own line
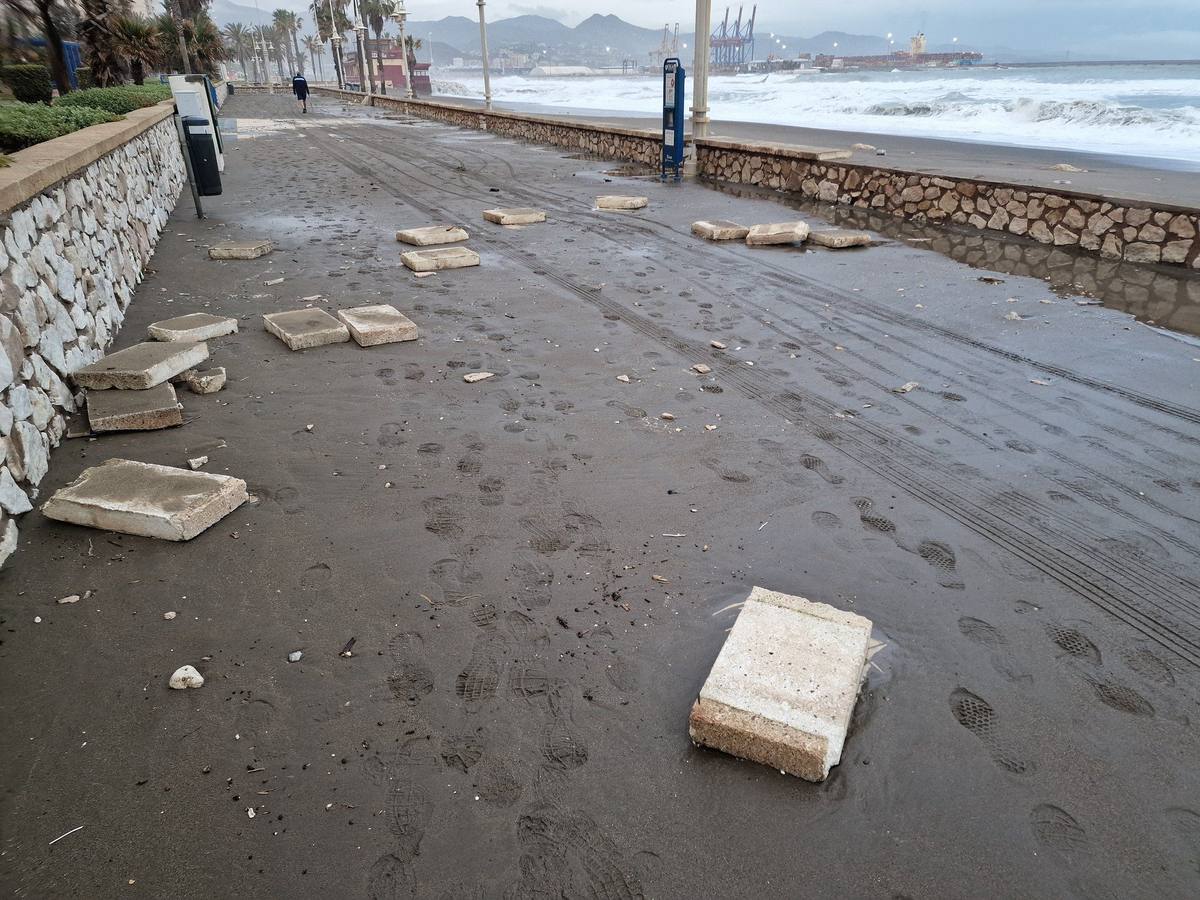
1144, 111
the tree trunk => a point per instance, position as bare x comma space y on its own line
242, 60
137, 71
379, 60
299, 55
336, 52
54, 49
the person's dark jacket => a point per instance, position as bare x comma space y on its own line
300, 87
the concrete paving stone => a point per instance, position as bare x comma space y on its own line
146, 410
777, 233
301, 329
145, 499
205, 381
442, 258
837, 238
612, 201
193, 327
380, 324
432, 234
239, 250
719, 230
519, 216
784, 684
141, 366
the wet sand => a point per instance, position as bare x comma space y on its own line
512, 722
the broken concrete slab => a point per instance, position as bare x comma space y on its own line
472, 377
145, 499
239, 250
141, 366
837, 238
442, 258
519, 216
192, 327
379, 324
719, 230
784, 685
432, 234
777, 233
618, 202
301, 329
146, 410
205, 381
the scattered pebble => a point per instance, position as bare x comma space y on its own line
186, 677
624, 379
295, 655
906, 387
196, 463
309, 427
717, 345
667, 417
702, 368
73, 598
1042, 381
169, 615
710, 427
472, 377
1013, 316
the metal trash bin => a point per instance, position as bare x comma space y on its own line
201, 145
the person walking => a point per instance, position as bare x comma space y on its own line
300, 89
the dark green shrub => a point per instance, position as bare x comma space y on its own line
117, 100
30, 82
83, 77
25, 124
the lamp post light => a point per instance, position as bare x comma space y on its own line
487, 76
700, 69
335, 46
399, 13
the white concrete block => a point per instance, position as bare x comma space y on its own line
522, 216
146, 410
239, 250
777, 233
147, 500
719, 230
381, 324
612, 201
784, 685
141, 366
432, 234
441, 258
193, 327
301, 329
837, 238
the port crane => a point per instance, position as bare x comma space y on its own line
733, 47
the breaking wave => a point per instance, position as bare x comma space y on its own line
1149, 111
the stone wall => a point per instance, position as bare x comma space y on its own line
79, 216
609, 142
1113, 228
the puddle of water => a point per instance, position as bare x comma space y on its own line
1167, 297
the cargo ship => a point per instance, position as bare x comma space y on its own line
915, 57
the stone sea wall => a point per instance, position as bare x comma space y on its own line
79, 218
1113, 228
609, 142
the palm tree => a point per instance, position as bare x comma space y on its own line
238, 39
96, 31
326, 29
140, 41
314, 48
377, 12
288, 24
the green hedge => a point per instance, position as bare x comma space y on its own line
30, 82
25, 124
117, 100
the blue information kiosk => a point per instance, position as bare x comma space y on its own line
673, 116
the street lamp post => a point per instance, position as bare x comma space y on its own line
335, 46
700, 69
487, 78
364, 55
399, 13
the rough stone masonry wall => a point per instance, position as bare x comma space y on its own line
71, 258
595, 140
1114, 229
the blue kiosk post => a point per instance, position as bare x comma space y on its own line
673, 108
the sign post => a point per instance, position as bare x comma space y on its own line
674, 77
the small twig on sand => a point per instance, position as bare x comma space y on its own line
61, 836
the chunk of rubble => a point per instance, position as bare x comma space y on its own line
777, 233
192, 327
613, 201
472, 377
784, 684
838, 238
520, 216
432, 234
146, 410
719, 230
301, 329
239, 250
185, 677
379, 324
146, 499
205, 381
442, 258
141, 366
